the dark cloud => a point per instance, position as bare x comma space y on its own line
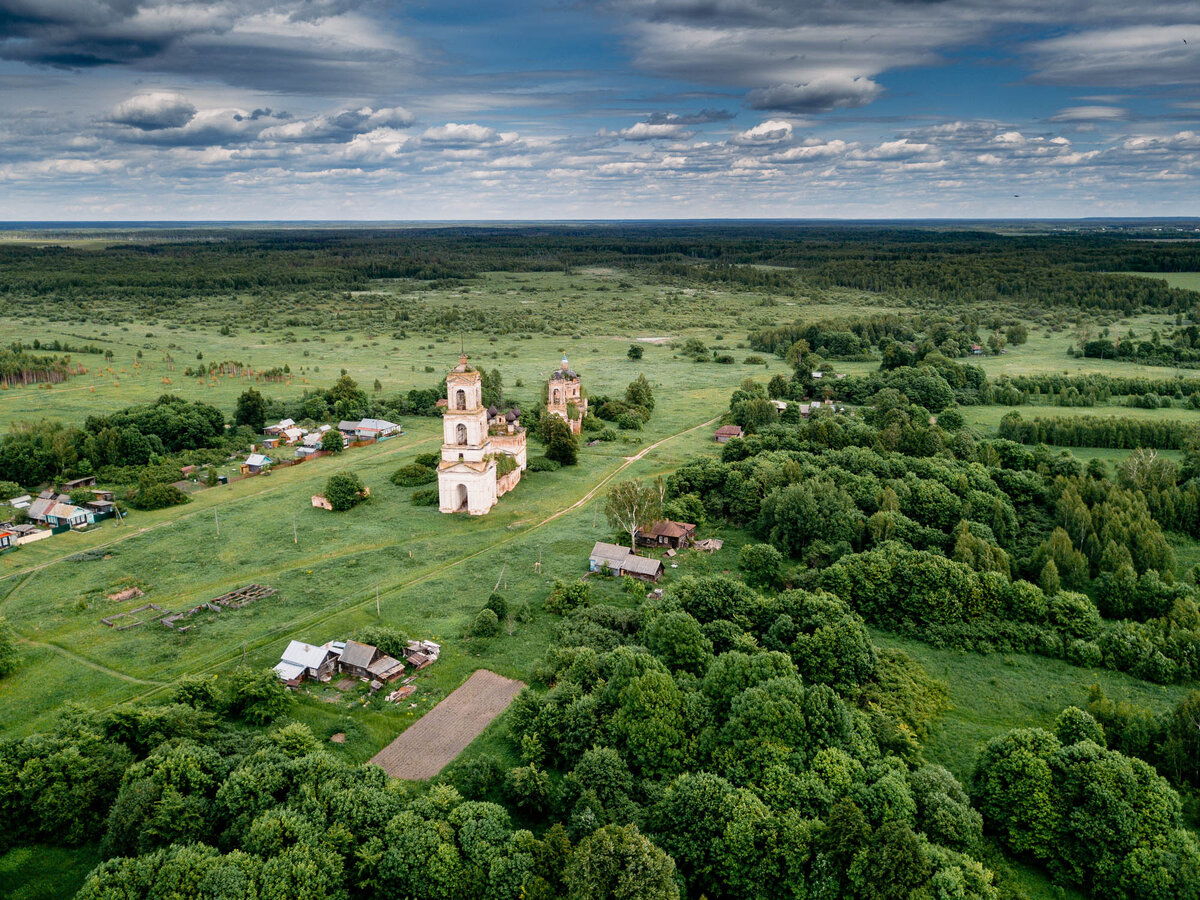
311, 46
819, 95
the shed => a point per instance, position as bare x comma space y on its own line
85, 481
279, 428
725, 432
386, 668
22, 502
356, 659
8, 539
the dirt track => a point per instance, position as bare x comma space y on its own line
431, 743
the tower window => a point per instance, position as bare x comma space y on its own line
461, 433
461, 398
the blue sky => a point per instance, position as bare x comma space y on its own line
370, 109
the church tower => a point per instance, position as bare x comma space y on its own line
564, 397
467, 472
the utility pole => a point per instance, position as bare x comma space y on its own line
295, 537
537, 566
377, 613
217, 519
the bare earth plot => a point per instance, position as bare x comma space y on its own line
433, 741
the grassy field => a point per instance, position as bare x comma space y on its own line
432, 572
606, 314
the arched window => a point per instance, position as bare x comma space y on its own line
461, 432
461, 397
556, 395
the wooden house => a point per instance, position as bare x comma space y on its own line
255, 463
356, 659
665, 533
85, 481
61, 514
621, 561
725, 432
8, 540
301, 661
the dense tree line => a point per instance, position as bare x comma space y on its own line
19, 366
1096, 431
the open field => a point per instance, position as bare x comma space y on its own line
389, 561
437, 738
432, 571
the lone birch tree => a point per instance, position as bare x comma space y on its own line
631, 506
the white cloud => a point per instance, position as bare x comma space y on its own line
652, 131
153, 111
454, 133
1090, 114
772, 131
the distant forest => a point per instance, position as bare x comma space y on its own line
243, 268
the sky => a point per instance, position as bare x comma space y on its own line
614, 109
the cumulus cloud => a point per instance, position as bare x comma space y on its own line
772, 131
822, 94
340, 125
153, 111
647, 131
454, 133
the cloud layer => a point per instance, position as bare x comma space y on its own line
361, 109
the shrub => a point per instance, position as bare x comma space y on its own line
391, 641
427, 497
486, 624
629, 421
607, 435
635, 351
542, 464
568, 595
429, 460
344, 490
9, 489
412, 475
754, 361
158, 496
497, 604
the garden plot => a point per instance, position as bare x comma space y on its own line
434, 740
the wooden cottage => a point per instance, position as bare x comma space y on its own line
725, 432
356, 659
668, 534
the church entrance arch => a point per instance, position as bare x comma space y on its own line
460, 494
